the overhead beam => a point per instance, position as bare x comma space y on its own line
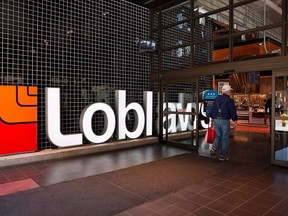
273, 6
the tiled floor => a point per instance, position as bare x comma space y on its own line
254, 188
251, 191
51, 172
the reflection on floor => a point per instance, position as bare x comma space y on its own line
254, 128
248, 143
14, 186
256, 189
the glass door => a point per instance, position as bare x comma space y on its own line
279, 115
180, 113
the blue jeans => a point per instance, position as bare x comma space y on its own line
222, 131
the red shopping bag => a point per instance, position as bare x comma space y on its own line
210, 135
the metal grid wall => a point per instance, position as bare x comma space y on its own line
179, 35
176, 35
175, 14
87, 48
203, 51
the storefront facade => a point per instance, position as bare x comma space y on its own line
90, 51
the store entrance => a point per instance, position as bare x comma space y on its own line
185, 121
260, 125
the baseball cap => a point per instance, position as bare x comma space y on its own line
226, 88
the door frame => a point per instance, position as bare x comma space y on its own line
194, 135
276, 73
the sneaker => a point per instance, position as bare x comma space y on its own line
213, 151
222, 158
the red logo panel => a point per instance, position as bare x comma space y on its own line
18, 119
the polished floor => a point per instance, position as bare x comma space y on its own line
254, 188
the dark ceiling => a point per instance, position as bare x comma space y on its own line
150, 3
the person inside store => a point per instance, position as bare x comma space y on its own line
278, 105
268, 104
268, 109
223, 110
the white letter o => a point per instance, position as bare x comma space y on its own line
86, 125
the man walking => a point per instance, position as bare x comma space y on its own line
223, 109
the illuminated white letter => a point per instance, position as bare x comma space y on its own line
52, 106
122, 111
202, 122
192, 121
148, 104
183, 120
86, 122
171, 119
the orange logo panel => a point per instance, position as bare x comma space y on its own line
18, 119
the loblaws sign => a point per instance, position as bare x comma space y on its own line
143, 122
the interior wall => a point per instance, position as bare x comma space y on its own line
241, 84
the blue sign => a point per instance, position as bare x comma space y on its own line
209, 97
210, 94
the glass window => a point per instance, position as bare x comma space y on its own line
281, 96
180, 114
176, 35
256, 44
204, 6
203, 53
256, 14
211, 26
281, 142
221, 50
281, 123
176, 58
176, 14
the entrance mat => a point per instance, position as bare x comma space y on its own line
113, 192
